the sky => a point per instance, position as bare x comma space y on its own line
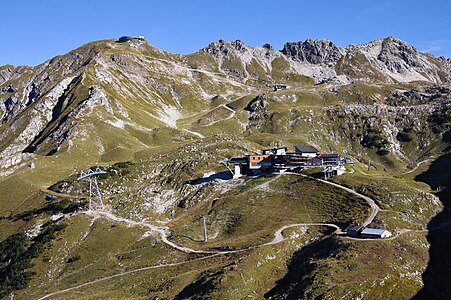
33, 31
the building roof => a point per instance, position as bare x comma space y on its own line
329, 155
373, 231
355, 227
238, 160
306, 149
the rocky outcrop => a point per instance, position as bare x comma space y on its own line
398, 55
258, 113
313, 51
223, 48
421, 95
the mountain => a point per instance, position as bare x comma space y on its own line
158, 123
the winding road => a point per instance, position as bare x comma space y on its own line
278, 237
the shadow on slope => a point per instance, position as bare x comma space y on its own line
296, 283
221, 176
437, 276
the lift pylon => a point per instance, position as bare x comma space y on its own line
95, 197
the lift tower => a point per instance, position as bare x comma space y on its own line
95, 197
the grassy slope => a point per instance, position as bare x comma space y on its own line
252, 213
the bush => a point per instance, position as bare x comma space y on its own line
374, 139
405, 136
382, 152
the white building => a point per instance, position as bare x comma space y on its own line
275, 151
375, 233
306, 151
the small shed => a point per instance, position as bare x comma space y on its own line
354, 230
375, 233
278, 87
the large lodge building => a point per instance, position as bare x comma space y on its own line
278, 159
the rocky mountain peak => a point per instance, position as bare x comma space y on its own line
313, 51
398, 55
222, 47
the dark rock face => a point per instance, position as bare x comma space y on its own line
313, 51
422, 95
11, 108
222, 48
267, 46
7, 89
258, 112
256, 104
398, 55
238, 45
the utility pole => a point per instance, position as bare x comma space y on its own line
205, 230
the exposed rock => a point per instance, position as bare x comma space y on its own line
238, 45
8, 89
268, 46
217, 48
398, 55
257, 109
6, 73
313, 51
9, 108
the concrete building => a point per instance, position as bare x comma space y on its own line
258, 163
330, 159
239, 166
278, 159
127, 38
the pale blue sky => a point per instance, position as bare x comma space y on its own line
34, 31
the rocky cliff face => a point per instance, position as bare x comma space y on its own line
397, 55
313, 51
385, 60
